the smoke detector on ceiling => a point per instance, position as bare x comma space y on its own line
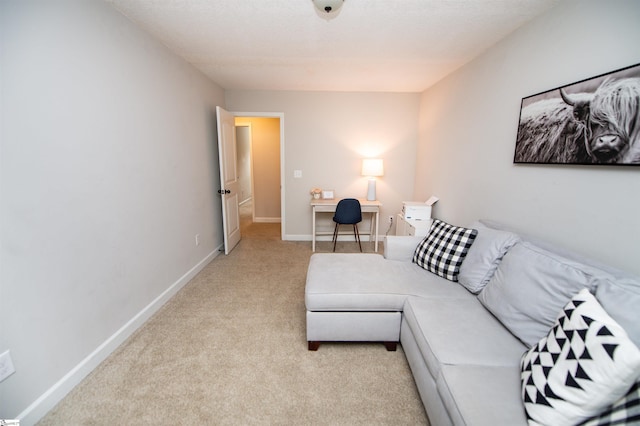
328, 6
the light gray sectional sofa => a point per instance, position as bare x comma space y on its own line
465, 340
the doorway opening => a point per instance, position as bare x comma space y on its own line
260, 159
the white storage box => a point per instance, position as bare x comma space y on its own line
416, 211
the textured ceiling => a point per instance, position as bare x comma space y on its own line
370, 45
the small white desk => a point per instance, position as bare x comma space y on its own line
319, 206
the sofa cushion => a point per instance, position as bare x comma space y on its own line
444, 248
460, 331
483, 256
482, 395
400, 247
620, 297
530, 287
368, 282
586, 363
558, 250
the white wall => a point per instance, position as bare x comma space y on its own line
468, 126
326, 136
108, 170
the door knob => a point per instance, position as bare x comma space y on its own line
226, 191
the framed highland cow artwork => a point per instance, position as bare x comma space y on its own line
594, 121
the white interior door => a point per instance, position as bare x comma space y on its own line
229, 184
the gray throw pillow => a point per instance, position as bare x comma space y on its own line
483, 257
530, 287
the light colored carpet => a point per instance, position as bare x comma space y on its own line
230, 349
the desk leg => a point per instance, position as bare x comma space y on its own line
377, 223
313, 229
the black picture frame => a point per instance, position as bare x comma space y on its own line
591, 122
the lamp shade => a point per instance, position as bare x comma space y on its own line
372, 167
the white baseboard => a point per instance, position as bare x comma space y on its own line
296, 237
267, 219
41, 406
341, 237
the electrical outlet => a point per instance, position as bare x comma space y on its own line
197, 239
6, 365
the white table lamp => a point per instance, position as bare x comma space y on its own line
372, 167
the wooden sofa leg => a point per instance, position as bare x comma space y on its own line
313, 346
391, 346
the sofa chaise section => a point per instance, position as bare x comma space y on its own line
360, 297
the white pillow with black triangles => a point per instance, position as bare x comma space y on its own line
586, 363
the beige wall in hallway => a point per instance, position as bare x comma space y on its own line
243, 151
265, 152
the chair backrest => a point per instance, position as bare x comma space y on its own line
348, 211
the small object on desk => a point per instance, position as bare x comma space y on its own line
327, 194
315, 193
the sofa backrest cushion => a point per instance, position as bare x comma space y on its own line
558, 250
483, 256
619, 295
621, 299
444, 248
531, 285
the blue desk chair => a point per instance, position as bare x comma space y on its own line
348, 212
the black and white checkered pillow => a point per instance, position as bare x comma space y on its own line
444, 248
584, 365
625, 411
